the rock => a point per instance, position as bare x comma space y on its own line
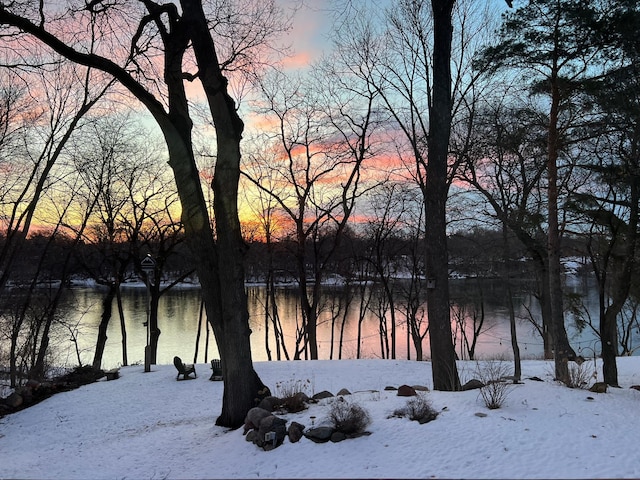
343, 392
338, 437
252, 436
33, 385
14, 400
254, 417
428, 418
536, 379
599, 387
319, 434
301, 397
262, 393
420, 388
272, 431
295, 432
472, 385
322, 395
635, 387
406, 391
481, 414
390, 388
270, 403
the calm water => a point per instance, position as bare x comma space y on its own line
179, 313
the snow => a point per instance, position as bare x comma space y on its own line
148, 425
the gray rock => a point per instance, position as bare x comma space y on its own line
472, 385
428, 418
269, 403
295, 432
481, 415
319, 434
272, 432
344, 392
420, 388
322, 395
254, 417
390, 388
338, 437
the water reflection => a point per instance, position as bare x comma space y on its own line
179, 316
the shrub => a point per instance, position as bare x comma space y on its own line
496, 389
419, 409
293, 394
348, 417
580, 375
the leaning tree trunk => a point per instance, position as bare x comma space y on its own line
101, 342
444, 369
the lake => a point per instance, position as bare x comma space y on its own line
179, 314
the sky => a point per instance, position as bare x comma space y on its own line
148, 425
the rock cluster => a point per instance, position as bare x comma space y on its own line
268, 431
323, 434
34, 392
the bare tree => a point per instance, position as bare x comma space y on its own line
324, 142
183, 39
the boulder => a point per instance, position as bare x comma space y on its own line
322, 395
473, 384
254, 417
428, 418
272, 432
252, 436
295, 432
420, 388
343, 392
599, 387
14, 400
406, 391
390, 388
319, 434
270, 403
338, 437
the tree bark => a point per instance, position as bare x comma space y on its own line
562, 351
231, 321
445, 372
101, 342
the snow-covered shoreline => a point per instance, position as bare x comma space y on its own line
148, 425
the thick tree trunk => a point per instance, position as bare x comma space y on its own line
445, 372
231, 320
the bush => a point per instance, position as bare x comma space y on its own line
293, 394
496, 389
580, 375
348, 417
419, 409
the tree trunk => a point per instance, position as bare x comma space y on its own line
230, 320
444, 369
561, 348
101, 342
123, 326
517, 366
154, 329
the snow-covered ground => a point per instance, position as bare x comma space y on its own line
148, 425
